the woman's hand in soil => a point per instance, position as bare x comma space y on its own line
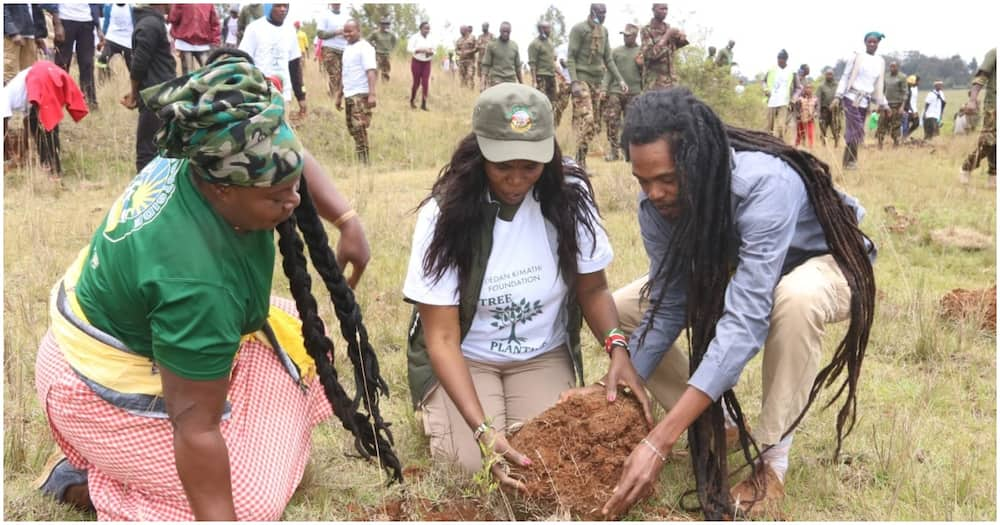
622, 373
500, 469
639, 474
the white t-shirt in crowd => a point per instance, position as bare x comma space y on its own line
359, 57
782, 92
331, 21
418, 41
522, 305
934, 105
870, 67
120, 25
915, 99
184, 45
15, 95
232, 27
75, 12
272, 48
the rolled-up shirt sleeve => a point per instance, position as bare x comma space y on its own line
659, 327
766, 221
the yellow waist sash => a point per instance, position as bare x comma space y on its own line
104, 360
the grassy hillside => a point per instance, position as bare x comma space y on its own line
924, 446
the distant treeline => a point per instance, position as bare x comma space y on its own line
953, 71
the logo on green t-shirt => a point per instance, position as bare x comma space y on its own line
144, 198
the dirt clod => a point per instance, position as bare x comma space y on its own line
577, 448
980, 305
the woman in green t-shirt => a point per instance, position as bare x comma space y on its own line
172, 386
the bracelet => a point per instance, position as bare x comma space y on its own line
655, 450
344, 217
480, 430
615, 338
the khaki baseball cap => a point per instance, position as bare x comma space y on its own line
631, 29
512, 121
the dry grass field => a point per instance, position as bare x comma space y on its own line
924, 447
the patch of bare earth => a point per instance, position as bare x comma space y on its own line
978, 305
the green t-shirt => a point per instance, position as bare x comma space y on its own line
624, 58
502, 60
383, 41
168, 277
987, 77
585, 63
542, 57
826, 92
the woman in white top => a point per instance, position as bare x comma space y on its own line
508, 254
420, 65
863, 82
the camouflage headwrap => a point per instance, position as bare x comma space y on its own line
228, 121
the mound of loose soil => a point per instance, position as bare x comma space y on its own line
423, 509
981, 305
961, 238
577, 448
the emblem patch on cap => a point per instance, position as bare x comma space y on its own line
520, 119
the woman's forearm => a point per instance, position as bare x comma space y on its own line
444, 348
203, 467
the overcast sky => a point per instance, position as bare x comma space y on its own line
816, 33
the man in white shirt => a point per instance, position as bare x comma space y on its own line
274, 48
359, 71
79, 21
330, 28
117, 29
779, 84
934, 111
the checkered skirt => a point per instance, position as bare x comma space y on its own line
130, 459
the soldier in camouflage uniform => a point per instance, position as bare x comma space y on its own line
724, 58
562, 86
896, 94
481, 42
829, 116
659, 42
542, 59
359, 96
465, 48
384, 42
589, 54
617, 101
986, 146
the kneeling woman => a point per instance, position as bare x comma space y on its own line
508, 252
172, 386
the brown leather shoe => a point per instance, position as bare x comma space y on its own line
759, 496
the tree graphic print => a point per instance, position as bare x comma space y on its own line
515, 313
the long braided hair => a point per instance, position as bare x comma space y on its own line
459, 191
371, 431
701, 250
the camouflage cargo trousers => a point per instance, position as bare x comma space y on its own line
986, 146
467, 72
547, 85
658, 80
584, 118
359, 116
830, 120
384, 66
333, 62
891, 125
562, 98
614, 114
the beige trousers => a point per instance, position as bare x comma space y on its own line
810, 296
17, 58
510, 393
777, 121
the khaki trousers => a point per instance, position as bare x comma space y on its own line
17, 58
777, 121
510, 393
810, 296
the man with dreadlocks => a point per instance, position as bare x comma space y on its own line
749, 245
173, 388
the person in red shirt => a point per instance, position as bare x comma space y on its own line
196, 29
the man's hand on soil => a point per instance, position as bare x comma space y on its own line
622, 373
638, 480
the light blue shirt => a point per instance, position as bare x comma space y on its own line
776, 230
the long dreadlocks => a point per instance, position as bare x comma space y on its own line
371, 432
701, 249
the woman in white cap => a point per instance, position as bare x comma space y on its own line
508, 257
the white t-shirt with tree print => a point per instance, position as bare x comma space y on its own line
522, 305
